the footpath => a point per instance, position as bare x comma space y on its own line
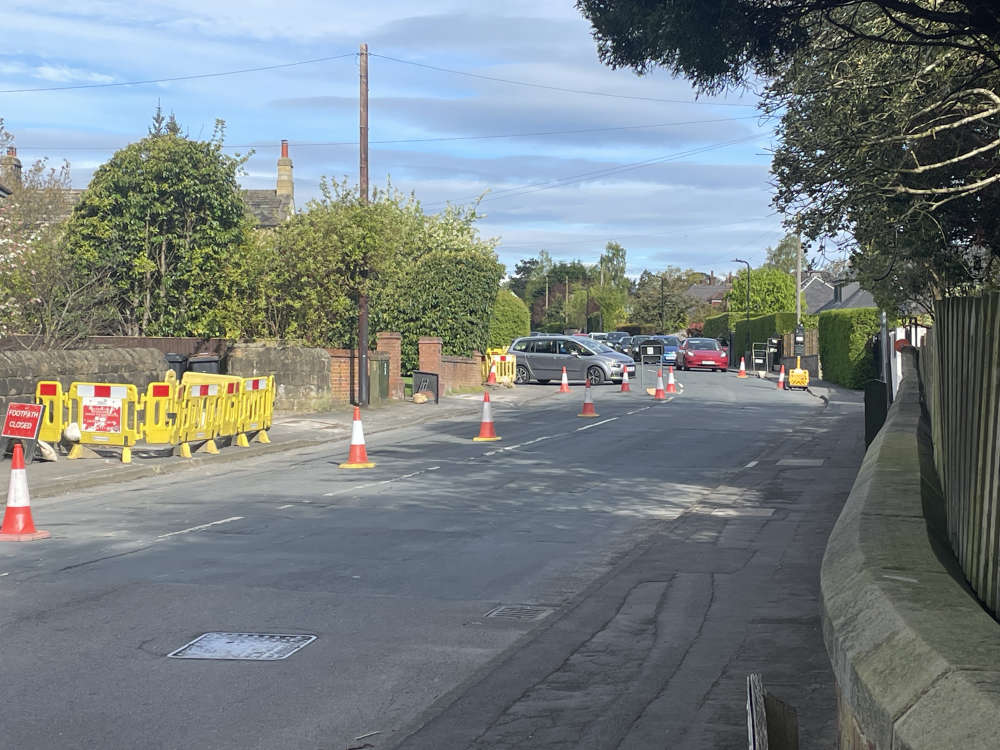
289, 432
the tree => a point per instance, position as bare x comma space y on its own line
661, 301
511, 319
718, 44
771, 291
165, 221
44, 298
524, 270
783, 256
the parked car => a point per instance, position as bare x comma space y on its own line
671, 345
699, 352
542, 358
615, 338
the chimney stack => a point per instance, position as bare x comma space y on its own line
286, 186
10, 168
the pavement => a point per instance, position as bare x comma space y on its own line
602, 583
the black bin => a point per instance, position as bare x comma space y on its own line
207, 363
177, 363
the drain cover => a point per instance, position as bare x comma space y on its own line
253, 646
521, 612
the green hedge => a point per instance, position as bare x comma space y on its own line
843, 345
511, 318
764, 326
718, 325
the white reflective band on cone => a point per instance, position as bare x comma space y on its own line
357, 433
17, 490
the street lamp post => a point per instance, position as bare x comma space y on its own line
740, 260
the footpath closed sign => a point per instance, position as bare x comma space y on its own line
99, 414
22, 422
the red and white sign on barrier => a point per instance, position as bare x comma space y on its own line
22, 422
101, 407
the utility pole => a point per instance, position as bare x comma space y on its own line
546, 293
798, 284
661, 303
363, 197
566, 304
586, 313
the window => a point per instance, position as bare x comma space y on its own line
520, 346
541, 346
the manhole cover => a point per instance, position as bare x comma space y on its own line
253, 646
521, 612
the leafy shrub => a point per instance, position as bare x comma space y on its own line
718, 325
511, 318
843, 345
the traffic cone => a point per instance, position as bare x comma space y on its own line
625, 387
781, 379
486, 431
659, 394
357, 457
564, 386
491, 379
588, 403
17, 523
743, 369
671, 385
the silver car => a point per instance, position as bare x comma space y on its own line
542, 358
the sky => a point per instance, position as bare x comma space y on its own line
586, 154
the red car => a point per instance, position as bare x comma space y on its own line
702, 353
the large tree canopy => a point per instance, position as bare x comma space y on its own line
720, 43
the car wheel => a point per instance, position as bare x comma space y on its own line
723, 369
544, 381
716, 369
521, 375
595, 375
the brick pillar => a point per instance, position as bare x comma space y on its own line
391, 343
430, 359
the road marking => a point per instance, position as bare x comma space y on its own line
520, 445
596, 424
290, 505
4, 574
636, 411
350, 488
750, 465
900, 578
203, 526
355, 487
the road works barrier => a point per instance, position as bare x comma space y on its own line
505, 362
191, 415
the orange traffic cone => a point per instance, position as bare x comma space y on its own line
743, 369
625, 387
588, 403
671, 385
564, 386
491, 379
486, 431
17, 523
660, 394
781, 379
357, 458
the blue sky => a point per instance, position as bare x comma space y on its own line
702, 199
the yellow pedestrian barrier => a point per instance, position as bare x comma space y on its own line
258, 402
159, 412
230, 406
199, 417
50, 394
505, 362
108, 414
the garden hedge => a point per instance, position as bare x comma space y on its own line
511, 318
843, 345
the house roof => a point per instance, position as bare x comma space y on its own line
708, 292
270, 208
851, 295
817, 293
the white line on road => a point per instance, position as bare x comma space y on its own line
4, 574
199, 528
290, 505
596, 424
750, 465
641, 408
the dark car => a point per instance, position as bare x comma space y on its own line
701, 352
671, 345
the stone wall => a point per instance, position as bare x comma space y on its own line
302, 374
915, 655
21, 370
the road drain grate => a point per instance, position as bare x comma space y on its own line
248, 646
520, 612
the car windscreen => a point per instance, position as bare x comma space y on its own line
704, 345
670, 341
597, 346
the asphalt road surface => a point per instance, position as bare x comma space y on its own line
642, 562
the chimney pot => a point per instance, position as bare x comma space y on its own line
284, 149
11, 151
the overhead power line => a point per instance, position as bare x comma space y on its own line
547, 87
532, 134
178, 78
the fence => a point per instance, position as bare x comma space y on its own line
961, 380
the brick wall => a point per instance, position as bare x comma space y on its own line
390, 343
340, 366
461, 372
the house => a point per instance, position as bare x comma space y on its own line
848, 294
817, 292
710, 291
270, 207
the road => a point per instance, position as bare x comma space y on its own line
647, 558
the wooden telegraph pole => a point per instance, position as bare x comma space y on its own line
363, 396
